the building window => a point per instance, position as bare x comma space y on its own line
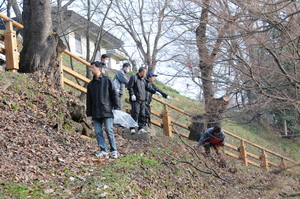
78, 43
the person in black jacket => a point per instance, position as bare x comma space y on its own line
150, 79
138, 88
101, 100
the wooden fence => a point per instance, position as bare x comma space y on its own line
262, 160
266, 159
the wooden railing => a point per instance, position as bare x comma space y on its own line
12, 55
239, 150
10, 43
167, 123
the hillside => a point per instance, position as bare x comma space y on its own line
44, 156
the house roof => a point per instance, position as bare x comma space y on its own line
77, 19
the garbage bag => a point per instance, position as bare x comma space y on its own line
123, 119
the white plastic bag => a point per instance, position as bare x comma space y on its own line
117, 85
123, 119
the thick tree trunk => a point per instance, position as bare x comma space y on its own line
213, 117
41, 46
214, 107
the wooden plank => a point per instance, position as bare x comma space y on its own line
77, 58
273, 164
231, 146
75, 74
157, 123
13, 22
181, 125
74, 85
156, 113
173, 107
254, 156
231, 154
184, 135
254, 163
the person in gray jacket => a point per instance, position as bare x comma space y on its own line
121, 81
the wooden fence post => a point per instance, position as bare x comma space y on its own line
282, 164
11, 52
243, 153
264, 161
166, 121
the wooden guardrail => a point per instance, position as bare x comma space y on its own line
167, 123
10, 43
263, 160
12, 56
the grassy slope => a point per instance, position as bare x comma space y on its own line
260, 135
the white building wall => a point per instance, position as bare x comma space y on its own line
114, 62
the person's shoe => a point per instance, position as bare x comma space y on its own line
142, 131
114, 154
132, 131
206, 154
102, 154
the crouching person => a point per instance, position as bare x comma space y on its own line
212, 137
101, 100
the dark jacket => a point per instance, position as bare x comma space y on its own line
137, 86
120, 80
101, 98
209, 137
149, 95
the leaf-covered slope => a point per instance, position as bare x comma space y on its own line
43, 156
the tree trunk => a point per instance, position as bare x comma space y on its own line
41, 46
199, 125
212, 117
214, 107
134, 66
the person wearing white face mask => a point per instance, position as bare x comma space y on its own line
120, 80
105, 60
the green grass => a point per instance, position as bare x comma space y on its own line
265, 138
16, 190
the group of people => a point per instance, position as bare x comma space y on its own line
105, 95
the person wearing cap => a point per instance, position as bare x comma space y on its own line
121, 81
138, 88
101, 99
150, 79
212, 137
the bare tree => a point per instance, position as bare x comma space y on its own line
148, 24
17, 11
267, 59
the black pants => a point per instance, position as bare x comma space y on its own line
120, 100
148, 113
138, 113
207, 146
